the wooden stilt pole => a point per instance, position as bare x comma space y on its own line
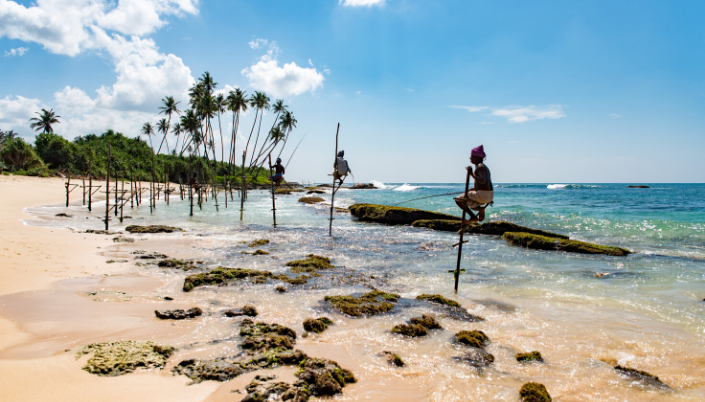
107, 191
116, 190
332, 197
122, 194
243, 189
90, 187
83, 179
67, 184
274, 205
462, 233
190, 187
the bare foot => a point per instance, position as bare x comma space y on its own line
481, 214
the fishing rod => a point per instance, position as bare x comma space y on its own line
421, 198
297, 147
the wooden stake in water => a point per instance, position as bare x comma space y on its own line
332, 197
244, 194
90, 187
274, 205
190, 187
462, 233
107, 191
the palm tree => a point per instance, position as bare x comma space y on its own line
176, 129
169, 108
219, 103
236, 103
163, 128
287, 122
259, 101
44, 121
190, 123
278, 107
148, 130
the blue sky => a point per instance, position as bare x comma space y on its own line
559, 92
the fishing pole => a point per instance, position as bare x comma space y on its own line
297, 147
421, 198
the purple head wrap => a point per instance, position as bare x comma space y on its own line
479, 151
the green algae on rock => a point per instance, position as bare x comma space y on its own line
248, 310
262, 337
476, 339
122, 357
537, 242
534, 392
316, 192
222, 275
394, 359
477, 357
368, 304
152, 229
417, 326
489, 228
534, 356
311, 200
180, 264
312, 263
317, 325
299, 280
261, 390
394, 215
643, 376
438, 299
257, 243
178, 314
280, 289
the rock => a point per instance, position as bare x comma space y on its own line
476, 339
529, 357
261, 337
311, 200
363, 186
102, 232
222, 275
312, 263
427, 321
150, 256
299, 280
260, 252
637, 186
63, 215
317, 325
477, 358
438, 299
204, 370
178, 314
534, 392
368, 304
259, 390
258, 243
393, 359
490, 228
247, 310
537, 242
324, 377
121, 239
394, 215
452, 308
641, 376
280, 289
413, 330
180, 264
117, 358
316, 192
168, 298
152, 229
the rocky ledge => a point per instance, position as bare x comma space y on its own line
152, 229
538, 242
394, 215
490, 228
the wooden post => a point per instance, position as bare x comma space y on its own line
132, 185
107, 191
335, 169
166, 187
274, 205
151, 182
462, 233
90, 187
83, 179
116, 190
67, 184
122, 194
242, 190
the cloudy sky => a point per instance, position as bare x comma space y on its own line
558, 92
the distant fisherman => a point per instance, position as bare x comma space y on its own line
341, 168
279, 172
482, 193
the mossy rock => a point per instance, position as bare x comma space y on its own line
438, 299
299, 280
534, 392
394, 359
311, 200
179, 264
178, 314
643, 376
152, 229
412, 330
222, 275
288, 191
537, 242
247, 309
476, 339
394, 215
280, 289
490, 228
312, 263
261, 337
122, 357
261, 390
317, 325
258, 243
534, 356
368, 304
316, 192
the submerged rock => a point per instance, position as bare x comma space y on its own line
258, 243
280, 289
534, 356
248, 310
476, 339
152, 229
438, 299
121, 239
534, 392
260, 390
317, 325
324, 377
63, 215
312, 263
477, 357
490, 228
363, 186
316, 192
394, 359
123, 357
637, 186
311, 200
452, 309
101, 231
538, 242
178, 314
222, 275
202, 370
261, 337
394, 215
175, 263
417, 326
642, 376
368, 304
299, 280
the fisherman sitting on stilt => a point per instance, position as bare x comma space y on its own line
482, 193
279, 172
340, 168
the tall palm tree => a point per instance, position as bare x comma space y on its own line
169, 107
287, 122
278, 107
259, 101
176, 130
163, 128
44, 121
190, 124
148, 130
236, 103
219, 103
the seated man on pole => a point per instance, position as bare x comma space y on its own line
340, 168
482, 192
279, 172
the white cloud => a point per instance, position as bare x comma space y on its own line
520, 114
15, 113
290, 79
20, 51
67, 26
310, 63
326, 70
257, 43
358, 3
615, 115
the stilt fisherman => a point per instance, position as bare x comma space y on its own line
340, 168
279, 172
482, 192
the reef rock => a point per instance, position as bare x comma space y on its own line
534, 356
641, 376
317, 325
477, 358
417, 326
261, 337
260, 390
538, 242
490, 228
178, 314
363, 186
312, 263
258, 243
394, 359
438, 299
311, 200
152, 229
368, 304
248, 310
476, 339
324, 377
122, 357
223, 275
534, 392
452, 308
394, 215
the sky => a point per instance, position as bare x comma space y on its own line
557, 92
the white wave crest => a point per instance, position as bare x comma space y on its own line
556, 186
379, 185
406, 187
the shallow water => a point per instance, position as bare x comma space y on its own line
646, 313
